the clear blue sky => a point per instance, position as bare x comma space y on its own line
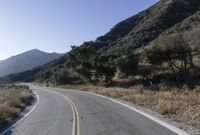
54, 25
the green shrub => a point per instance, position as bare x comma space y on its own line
127, 64
171, 49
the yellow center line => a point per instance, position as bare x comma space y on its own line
76, 120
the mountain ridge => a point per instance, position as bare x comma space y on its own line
147, 25
151, 23
26, 61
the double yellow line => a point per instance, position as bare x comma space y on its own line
76, 122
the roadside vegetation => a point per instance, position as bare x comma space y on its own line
151, 62
12, 100
163, 76
171, 59
177, 104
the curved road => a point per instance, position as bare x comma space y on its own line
68, 112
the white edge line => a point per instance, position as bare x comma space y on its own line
20, 120
157, 120
169, 126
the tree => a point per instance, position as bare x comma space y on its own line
80, 59
127, 64
174, 50
106, 68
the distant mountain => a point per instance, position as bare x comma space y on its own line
26, 61
135, 33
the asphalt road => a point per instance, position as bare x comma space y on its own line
68, 112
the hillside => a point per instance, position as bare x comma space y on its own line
113, 55
139, 30
151, 59
26, 61
189, 26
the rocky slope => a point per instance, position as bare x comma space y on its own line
139, 30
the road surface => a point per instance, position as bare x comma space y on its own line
68, 112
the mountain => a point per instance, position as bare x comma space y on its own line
26, 61
137, 31
190, 26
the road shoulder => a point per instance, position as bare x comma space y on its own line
178, 127
25, 112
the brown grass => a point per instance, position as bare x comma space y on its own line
178, 104
12, 99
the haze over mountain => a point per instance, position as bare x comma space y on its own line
26, 61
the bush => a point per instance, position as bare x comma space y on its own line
174, 50
127, 64
105, 68
12, 99
81, 60
163, 107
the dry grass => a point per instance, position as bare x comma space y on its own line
164, 107
12, 99
178, 104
